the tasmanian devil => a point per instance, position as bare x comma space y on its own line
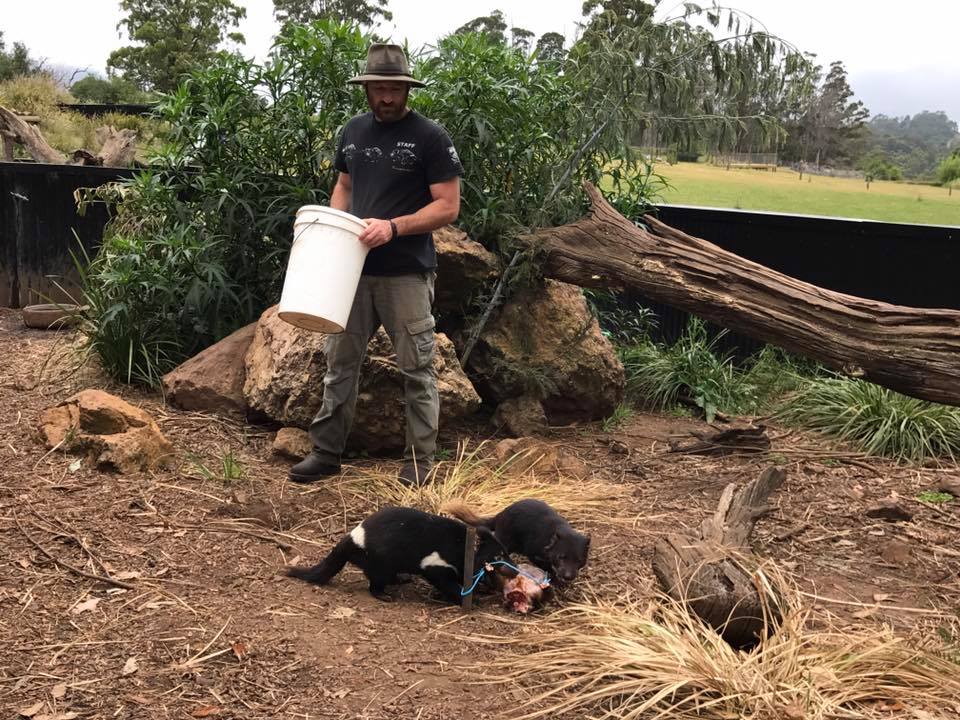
398, 540
538, 531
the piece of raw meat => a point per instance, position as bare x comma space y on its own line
525, 592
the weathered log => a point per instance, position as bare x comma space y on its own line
723, 441
914, 351
712, 573
30, 137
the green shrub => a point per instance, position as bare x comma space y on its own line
199, 243
36, 94
112, 90
877, 166
145, 287
689, 371
623, 320
518, 129
875, 419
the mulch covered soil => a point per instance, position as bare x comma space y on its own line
199, 620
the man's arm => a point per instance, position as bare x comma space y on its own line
340, 199
442, 210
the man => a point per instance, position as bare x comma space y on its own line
400, 172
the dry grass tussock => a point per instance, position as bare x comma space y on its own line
487, 485
649, 658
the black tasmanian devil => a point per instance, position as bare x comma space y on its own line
535, 529
398, 540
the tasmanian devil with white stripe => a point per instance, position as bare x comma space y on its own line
397, 540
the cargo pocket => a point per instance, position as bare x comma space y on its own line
421, 340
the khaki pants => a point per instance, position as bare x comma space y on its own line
402, 304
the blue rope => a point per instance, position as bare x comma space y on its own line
479, 574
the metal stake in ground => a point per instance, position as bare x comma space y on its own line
469, 550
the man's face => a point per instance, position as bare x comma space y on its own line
387, 100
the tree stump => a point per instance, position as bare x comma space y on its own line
711, 573
118, 147
914, 351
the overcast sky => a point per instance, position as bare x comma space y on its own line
901, 60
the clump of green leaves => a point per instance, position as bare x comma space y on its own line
692, 372
937, 498
875, 419
621, 414
142, 290
689, 371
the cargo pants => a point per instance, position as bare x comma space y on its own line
402, 304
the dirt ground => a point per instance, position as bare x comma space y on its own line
207, 625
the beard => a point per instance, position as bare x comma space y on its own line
388, 113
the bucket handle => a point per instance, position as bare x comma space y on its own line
308, 224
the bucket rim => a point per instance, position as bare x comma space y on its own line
324, 210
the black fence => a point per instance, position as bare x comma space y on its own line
911, 265
97, 109
39, 226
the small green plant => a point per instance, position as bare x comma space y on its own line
620, 415
443, 454
937, 498
688, 371
232, 469
875, 419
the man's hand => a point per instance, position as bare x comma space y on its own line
377, 233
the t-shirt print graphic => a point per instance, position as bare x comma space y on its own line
368, 155
404, 159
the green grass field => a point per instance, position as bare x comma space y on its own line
783, 191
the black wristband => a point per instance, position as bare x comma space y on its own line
393, 230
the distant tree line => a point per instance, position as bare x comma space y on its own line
798, 109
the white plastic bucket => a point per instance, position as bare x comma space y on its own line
325, 263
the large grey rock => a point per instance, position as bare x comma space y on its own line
284, 382
544, 342
213, 379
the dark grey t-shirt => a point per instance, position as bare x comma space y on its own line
391, 168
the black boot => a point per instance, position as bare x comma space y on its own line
313, 467
414, 473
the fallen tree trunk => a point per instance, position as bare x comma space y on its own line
712, 573
118, 147
14, 127
914, 351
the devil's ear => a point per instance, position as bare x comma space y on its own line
551, 543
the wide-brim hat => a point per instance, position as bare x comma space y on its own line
386, 63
